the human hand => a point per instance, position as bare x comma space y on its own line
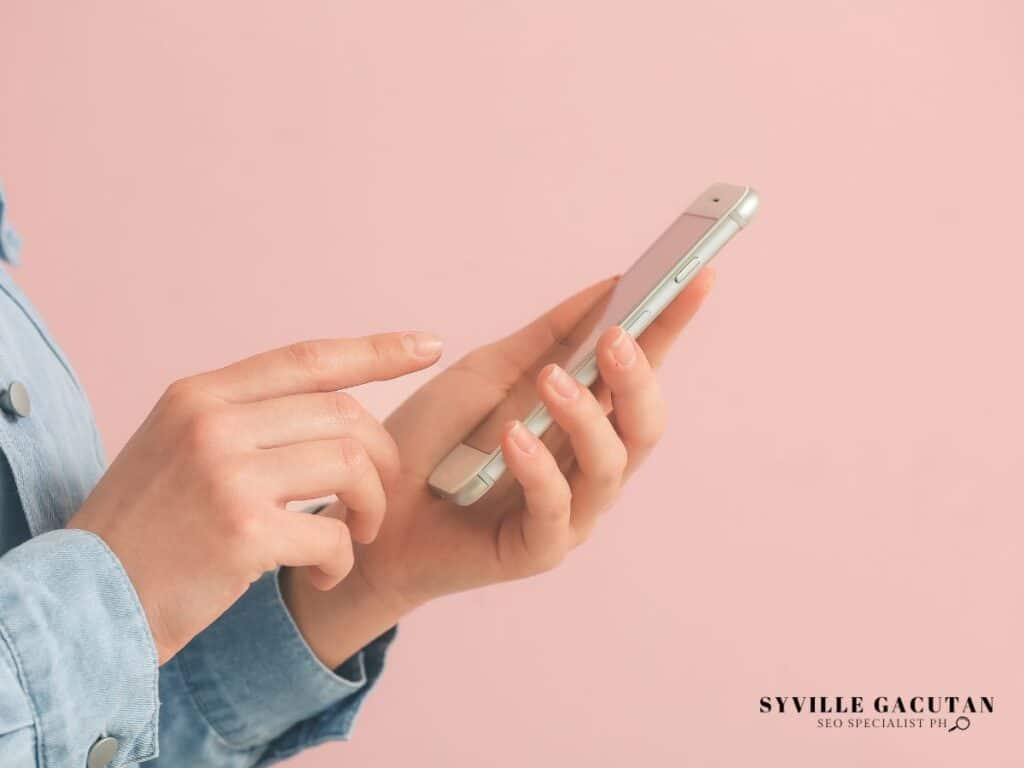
547, 503
194, 506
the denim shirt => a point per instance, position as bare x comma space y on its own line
77, 660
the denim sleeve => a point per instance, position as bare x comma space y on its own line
248, 691
77, 660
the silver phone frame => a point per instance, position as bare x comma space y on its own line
730, 219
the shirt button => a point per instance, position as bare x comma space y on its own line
15, 401
102, 752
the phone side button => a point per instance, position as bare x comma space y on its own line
638, 323
688, 269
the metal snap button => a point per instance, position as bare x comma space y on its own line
15, 400
102, 752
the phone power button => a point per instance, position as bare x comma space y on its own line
687, 271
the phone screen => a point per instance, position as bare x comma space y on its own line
613, 308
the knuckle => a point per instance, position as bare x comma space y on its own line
180, 394
180, 386
242, 526
206, 432
378, 349
228, 486
560, 503
646, 432
609, 472
346, 408
309, 358
352, 456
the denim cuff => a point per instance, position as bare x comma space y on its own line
80, 646
255, 679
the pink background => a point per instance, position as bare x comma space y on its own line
836, 508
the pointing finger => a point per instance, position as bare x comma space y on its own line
322, 366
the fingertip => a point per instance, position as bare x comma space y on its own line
545, 487
555, 382
520, 439
706, 279
320, 580
365, 522
618, 350
359, 535
622, 363
612, 335
364, 533
609, 337
545, 374
343, 558
422, 345
529, 460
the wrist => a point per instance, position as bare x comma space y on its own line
339, 622
145, 591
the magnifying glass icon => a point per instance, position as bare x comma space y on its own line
962, 724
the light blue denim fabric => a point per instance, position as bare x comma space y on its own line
77, 660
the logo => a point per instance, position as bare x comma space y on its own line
946, 714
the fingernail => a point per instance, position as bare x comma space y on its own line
563, 384
422, 344
523, 438
624, 349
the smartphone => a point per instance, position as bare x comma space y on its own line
655, 279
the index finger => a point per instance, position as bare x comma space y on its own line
322, 366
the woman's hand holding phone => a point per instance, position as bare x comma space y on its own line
559, 485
